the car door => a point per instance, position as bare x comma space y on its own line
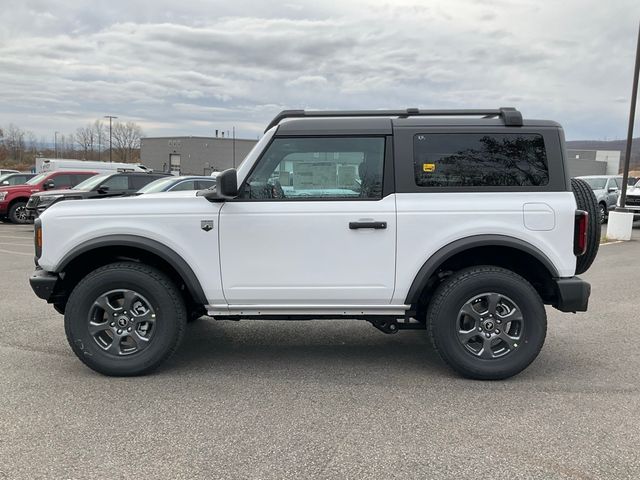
612, 192
312, 225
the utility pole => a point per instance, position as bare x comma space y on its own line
110, 117
632, 114
55, 143
234, 147
99, 142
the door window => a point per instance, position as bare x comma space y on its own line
117, 182
203, 184
333, 168
184, 186
62, 181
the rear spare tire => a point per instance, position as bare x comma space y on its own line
586, 200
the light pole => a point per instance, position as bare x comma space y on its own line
110, 117
620, 224
55, 143
632, 114
234, 147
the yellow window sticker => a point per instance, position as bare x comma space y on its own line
428, 167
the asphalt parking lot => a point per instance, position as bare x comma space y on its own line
325, 399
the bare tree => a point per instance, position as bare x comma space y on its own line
14, 142
100, 134
126, 140
85, 140
3, 148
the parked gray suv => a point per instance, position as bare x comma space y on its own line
607, 190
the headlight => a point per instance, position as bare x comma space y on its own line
2, 195
48, 199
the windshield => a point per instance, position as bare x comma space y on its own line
596, 183
92, 182
37, 179
159, 185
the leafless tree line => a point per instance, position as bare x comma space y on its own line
20, 147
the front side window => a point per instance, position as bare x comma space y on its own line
320, 167
184, 186
116, 182
480, 160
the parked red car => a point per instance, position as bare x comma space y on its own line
13, 199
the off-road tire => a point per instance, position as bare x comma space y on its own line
444, 310
156, 287
586, 200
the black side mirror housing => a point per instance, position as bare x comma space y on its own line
103, 189
48, 185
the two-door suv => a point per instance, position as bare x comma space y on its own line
462, 223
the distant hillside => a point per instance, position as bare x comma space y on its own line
610, 145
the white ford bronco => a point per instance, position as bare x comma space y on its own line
463, 223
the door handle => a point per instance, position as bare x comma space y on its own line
374, 225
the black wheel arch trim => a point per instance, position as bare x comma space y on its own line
152, 246
459, 246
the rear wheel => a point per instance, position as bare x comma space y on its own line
586, 200
125, 319
18, 213
487, 323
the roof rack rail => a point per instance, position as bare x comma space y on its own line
510, 116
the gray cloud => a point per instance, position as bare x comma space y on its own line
201, 65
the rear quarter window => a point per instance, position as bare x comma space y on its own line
480, 160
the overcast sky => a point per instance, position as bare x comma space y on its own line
188, 67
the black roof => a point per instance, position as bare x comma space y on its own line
508, 115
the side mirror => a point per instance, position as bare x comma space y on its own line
612, 189
5, 182
103, 189
49, 184
227, 184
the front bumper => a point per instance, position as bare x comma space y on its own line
572, 294
44, 284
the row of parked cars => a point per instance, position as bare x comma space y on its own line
607, 190
24, 196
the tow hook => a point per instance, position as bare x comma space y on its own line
385, 325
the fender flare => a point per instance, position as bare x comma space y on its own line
152, 246
458, 246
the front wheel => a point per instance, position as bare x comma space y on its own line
487, 323
125, 319
18, 213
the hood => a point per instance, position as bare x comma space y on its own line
140, 205
16, 188
66, 191
633, 191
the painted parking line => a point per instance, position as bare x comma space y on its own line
15, 237
17, 244
16, 253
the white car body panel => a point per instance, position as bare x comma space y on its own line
170, 218
294, 252
429, 221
